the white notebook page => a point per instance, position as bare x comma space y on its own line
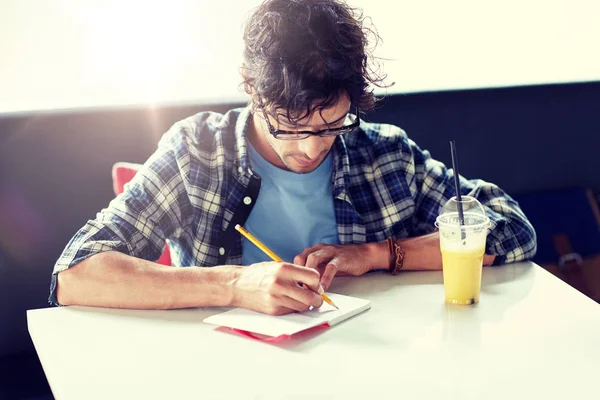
255, 322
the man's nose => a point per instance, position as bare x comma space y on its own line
312, 146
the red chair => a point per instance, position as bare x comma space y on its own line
123, 172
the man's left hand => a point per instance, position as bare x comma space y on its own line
349, 259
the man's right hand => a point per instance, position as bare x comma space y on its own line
274, 288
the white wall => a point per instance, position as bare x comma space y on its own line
87, 53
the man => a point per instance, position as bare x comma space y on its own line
327, 192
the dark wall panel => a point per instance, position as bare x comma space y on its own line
523, 138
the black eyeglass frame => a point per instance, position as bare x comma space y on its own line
299, 135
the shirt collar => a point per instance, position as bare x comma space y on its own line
341, 167
242, 126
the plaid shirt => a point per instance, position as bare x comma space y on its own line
199, 184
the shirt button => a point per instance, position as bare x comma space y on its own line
247, 200
222, 251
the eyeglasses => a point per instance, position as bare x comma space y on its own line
299, 135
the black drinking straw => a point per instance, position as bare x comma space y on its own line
461, 216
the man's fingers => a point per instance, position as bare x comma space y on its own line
323, 261
294, 273
280, 310
305, 295
328, 275
293, 304
300, 259
318, 259
302, 300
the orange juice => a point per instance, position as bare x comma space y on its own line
463, 225
462, 275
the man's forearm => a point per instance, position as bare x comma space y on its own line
420, 253
113, 279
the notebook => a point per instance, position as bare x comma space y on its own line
243, 320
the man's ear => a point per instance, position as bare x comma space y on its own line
247, 87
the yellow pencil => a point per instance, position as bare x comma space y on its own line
273, 256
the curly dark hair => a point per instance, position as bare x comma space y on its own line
304, 55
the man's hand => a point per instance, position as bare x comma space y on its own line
274, 288
349, 259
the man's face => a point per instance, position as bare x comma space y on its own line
304, 155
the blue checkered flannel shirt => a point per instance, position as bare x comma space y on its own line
198, 182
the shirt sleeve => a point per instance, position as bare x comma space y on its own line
154, 206
511, 237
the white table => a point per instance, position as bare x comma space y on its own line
530, 337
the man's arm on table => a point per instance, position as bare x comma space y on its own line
116, 280
421, 253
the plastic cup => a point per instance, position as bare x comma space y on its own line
463, 247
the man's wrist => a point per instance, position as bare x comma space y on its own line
420, 253
231, 283
379, 254
218, 285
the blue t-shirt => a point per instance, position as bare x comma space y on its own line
293, 211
